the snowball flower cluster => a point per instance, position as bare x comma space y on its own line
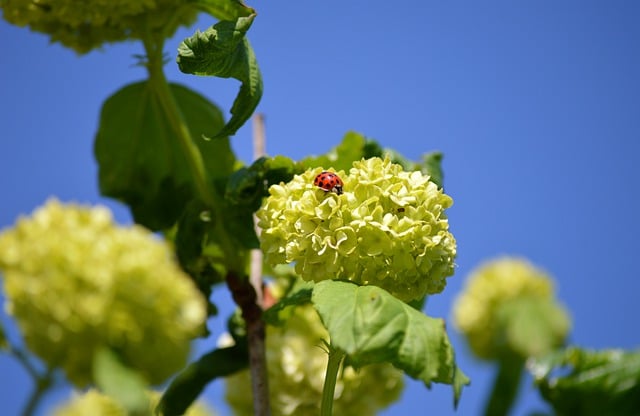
75, 282
87, 24
387, 229
97, 404
479, 312
297, 362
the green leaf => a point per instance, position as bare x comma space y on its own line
584, 382
224, 9
188, 385
224, 51
120, 382
299, 294
372, 326
247, 186
139, 156
353, 147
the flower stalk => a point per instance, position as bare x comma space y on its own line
328, 391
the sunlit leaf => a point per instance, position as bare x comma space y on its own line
591, 383
139, 155
224, 51
372, 326
224, 9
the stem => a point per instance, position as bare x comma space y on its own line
160, 87
43, 382
329, 388
505, 387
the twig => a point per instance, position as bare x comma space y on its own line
245, 297
259, 144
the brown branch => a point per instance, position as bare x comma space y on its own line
245, 297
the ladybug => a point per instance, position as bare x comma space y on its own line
329, 182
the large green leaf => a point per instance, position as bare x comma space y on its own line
224, 9
224, 51
372, 326
582, 382
139, 156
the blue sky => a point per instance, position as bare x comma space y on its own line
536, 106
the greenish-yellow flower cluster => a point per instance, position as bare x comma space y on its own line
87, 24
506, 300
95, 403
75, 282
297, 361
387, 229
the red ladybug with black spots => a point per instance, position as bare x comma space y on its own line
329, 182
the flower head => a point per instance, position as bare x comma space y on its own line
75, 283
505, 298
297, 362
97, 404
388, 229
84, 25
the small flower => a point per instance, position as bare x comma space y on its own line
505, 298
84, 25
297, 361
388, 229
75, 283
95, 403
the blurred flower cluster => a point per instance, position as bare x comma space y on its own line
297, 361
387, 229
87, 24
75, 282
509, 305
96, 404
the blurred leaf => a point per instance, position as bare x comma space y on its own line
224, 9
432, 166
372, 326
190, 383
533, 326
140, 158
299, 294
120, 382
224, 51
582, 382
